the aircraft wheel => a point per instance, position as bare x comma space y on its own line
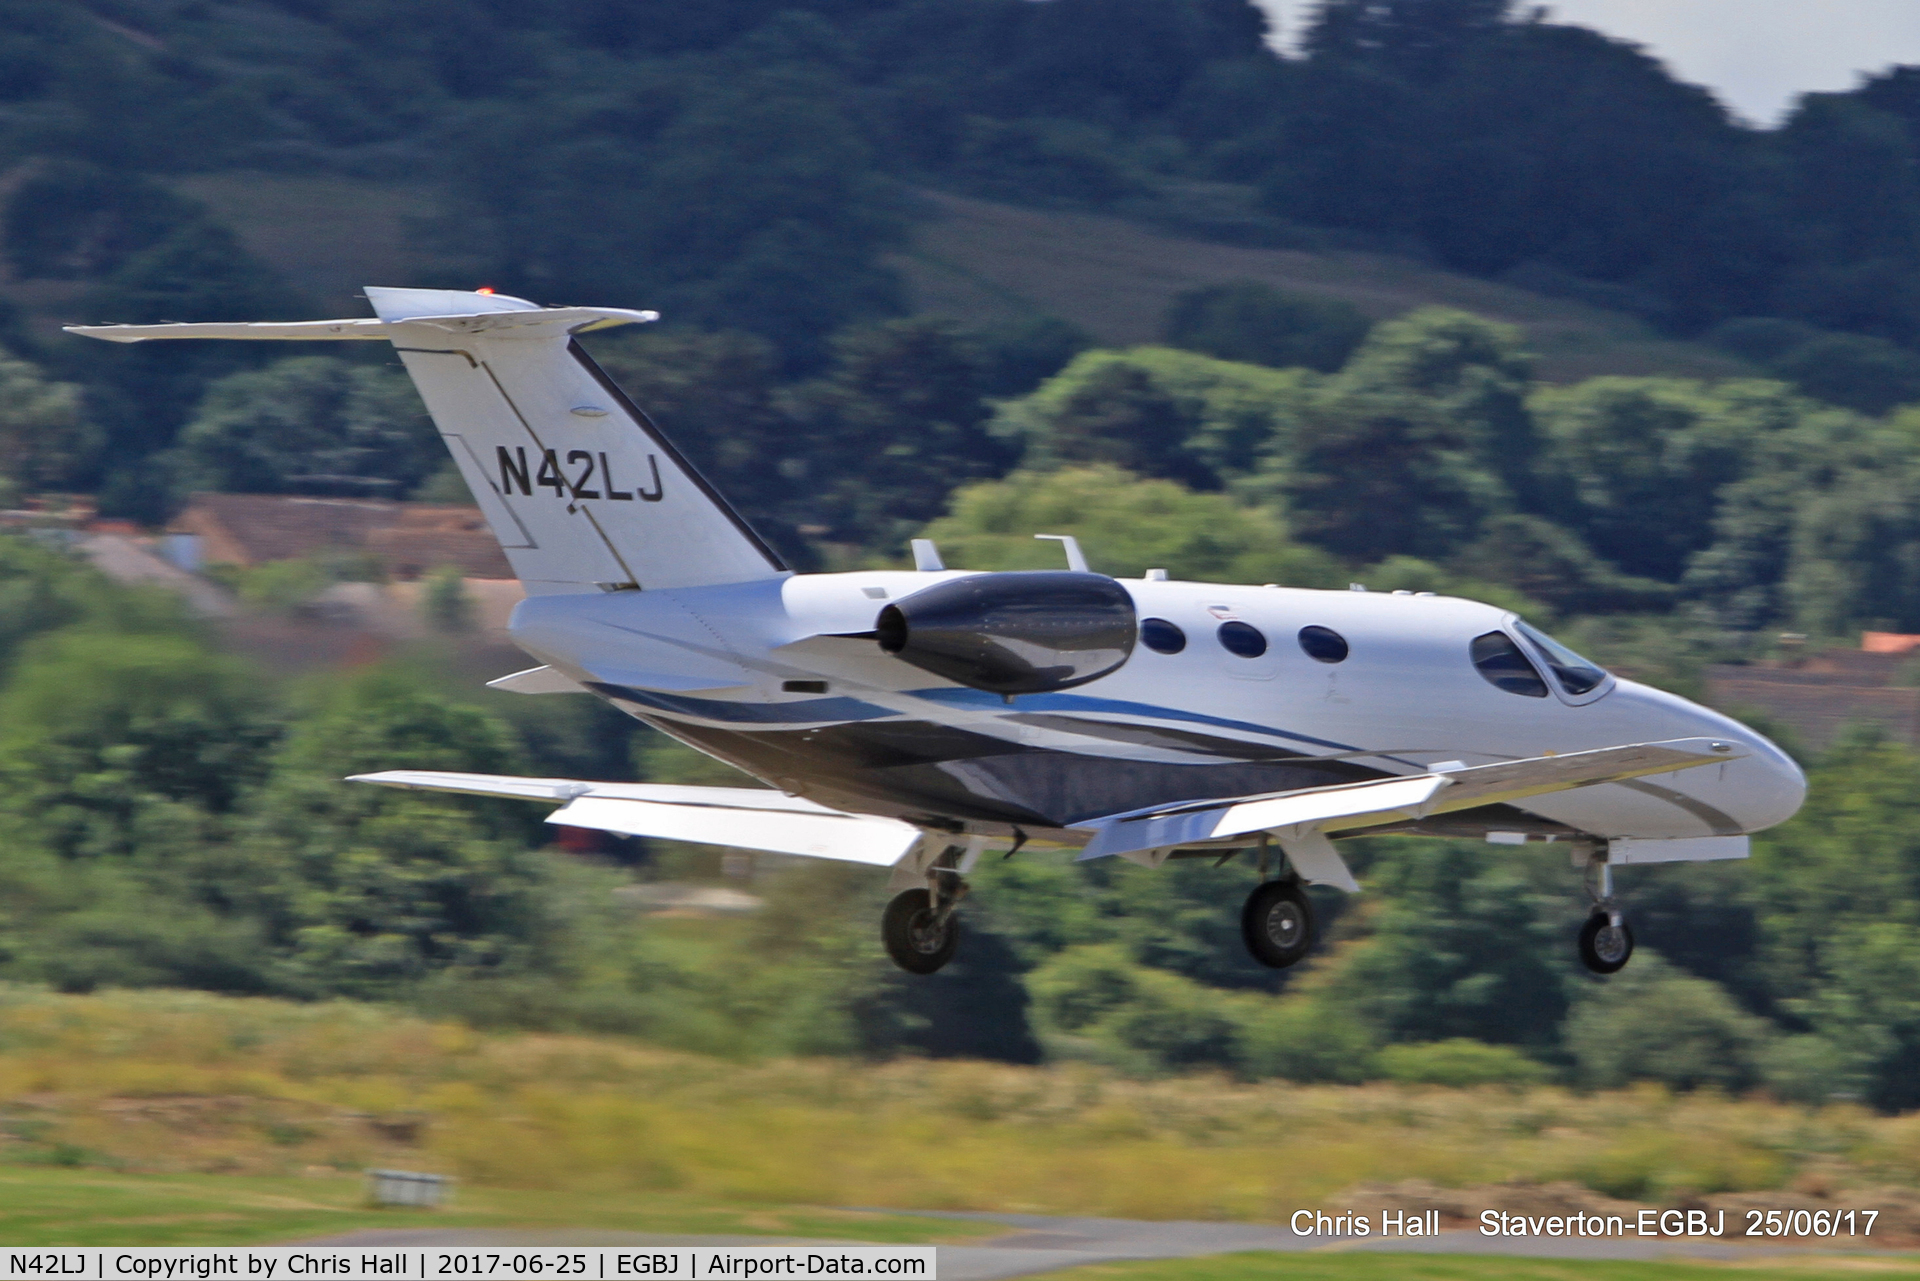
913, 939
1605, 948
1277, 924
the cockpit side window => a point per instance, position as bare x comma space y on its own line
1500, 662
1576, 675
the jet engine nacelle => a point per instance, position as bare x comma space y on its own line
1013, 633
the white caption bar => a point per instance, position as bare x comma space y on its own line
596, 1263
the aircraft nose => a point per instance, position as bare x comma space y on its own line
1761, 788
1768, 786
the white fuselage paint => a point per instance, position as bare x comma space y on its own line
1407, 697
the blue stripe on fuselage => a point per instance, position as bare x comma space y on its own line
980, 700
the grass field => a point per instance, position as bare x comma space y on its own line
172, 1083
48, 1206
1366, 1266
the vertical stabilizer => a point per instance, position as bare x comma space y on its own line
581, 489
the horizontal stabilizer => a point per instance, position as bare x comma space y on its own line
539, 322
741, 817
1386, 800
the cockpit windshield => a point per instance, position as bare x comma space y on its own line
1576, 675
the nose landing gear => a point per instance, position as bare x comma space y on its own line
1606, 941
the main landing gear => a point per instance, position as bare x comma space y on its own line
1277, 923
919, 929
1606, 942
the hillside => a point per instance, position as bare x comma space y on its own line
976, 260
980, 260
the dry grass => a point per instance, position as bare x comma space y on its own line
180, 1082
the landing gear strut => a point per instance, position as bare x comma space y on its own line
919, 930
1606, 942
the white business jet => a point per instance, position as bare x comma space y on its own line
912, 720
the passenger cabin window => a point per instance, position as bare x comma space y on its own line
1323, 644
1162, 637
1242, 639
1501, 663
1576, 675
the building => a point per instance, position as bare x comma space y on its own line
407, 539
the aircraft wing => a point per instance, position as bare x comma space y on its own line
1369, 804
753, 818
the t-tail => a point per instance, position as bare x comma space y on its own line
583, 491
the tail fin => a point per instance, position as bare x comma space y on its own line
582, 490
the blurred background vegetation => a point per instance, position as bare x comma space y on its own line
1462, 300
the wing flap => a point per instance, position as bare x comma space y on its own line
754, 818
849, 838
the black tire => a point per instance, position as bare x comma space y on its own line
1277, 924
913, 941
1603, 948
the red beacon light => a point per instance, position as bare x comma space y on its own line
484, 289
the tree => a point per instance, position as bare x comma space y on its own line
75, 221
48, 440
1159, 411
1654, 1023
1462, 945
1260, 325
200, 271
308, 424
1126, 525
1634, 465
377, 890
741, 199
898, 421
1415, 443
115, 745
1419, 39
1821, 533
1871, 375
714, 395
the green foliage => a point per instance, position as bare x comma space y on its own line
1421, 438
1126, 525
48, 439
308, 424
1819, 534
77, 221
898, 421
1630, 460
1651, 1022
1463, 942
115, 742
1459, 1063
1261, 325
444, 601
1156, 411
1858, 372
